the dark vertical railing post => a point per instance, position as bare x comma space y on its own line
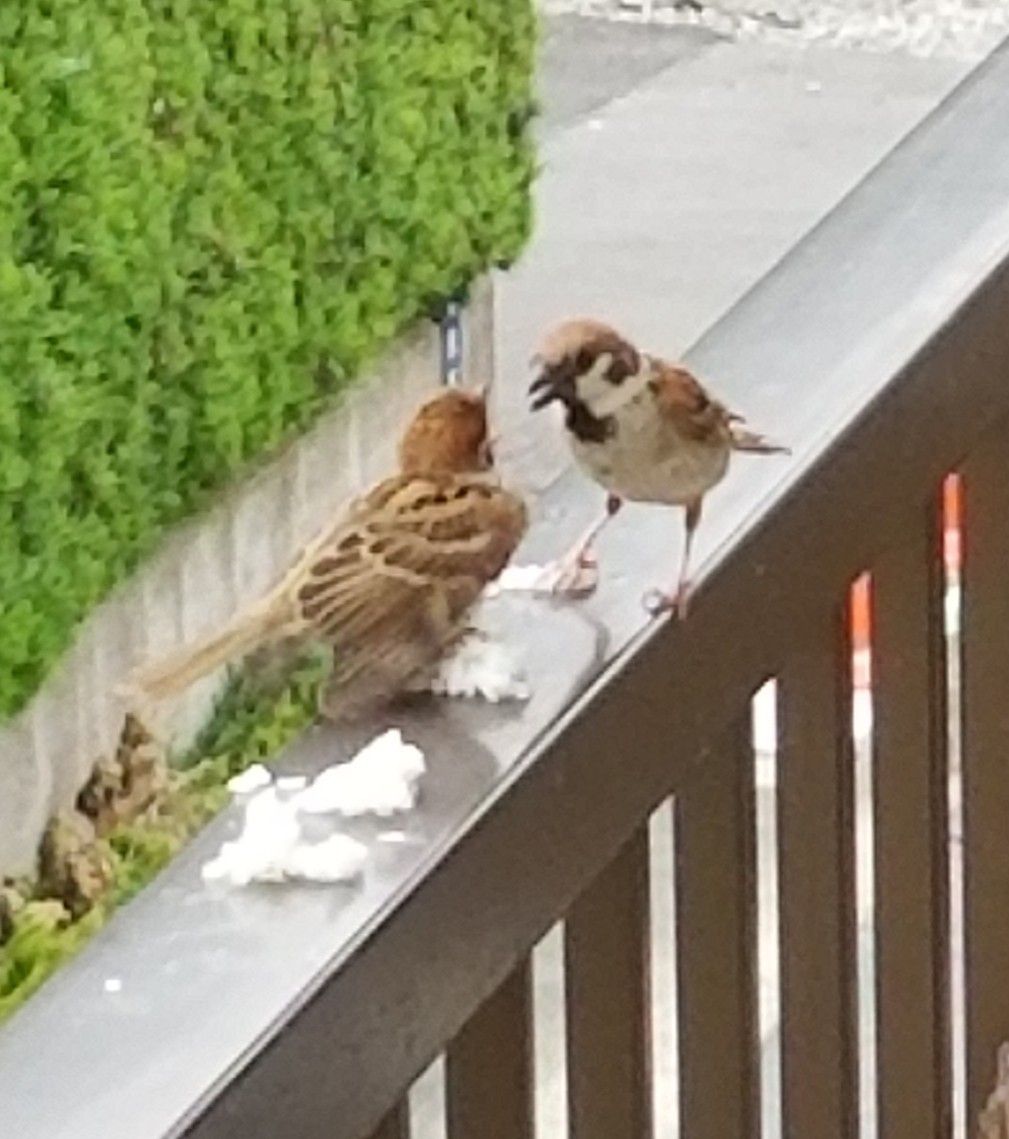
911, 833
716, 927
817, 894
986, 758
489, 1066
607, 969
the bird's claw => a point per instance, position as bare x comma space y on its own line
656, 602
575, 577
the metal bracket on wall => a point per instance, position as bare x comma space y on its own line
450, 327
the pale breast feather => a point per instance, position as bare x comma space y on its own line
646, 459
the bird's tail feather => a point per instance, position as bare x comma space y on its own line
751, 441
177, 672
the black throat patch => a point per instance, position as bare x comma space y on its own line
586, 427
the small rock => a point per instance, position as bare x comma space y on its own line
44, 913
122, 787
74, 864
11, 904
97, 798
994, 1118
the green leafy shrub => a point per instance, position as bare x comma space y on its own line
212, 214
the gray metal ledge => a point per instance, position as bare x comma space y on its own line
878, 350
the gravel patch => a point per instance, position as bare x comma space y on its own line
951, 29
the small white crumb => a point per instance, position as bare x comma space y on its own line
292, 782
270, 849
338, 858
595, 124
269, 833
814, 86
392, 837
380, 780
482, 667
531, 578
113, 985
251, 779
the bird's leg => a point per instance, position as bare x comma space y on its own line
575, 574
693, 516
657, 602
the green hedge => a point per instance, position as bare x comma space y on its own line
212, 213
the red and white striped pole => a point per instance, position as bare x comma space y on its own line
861, 597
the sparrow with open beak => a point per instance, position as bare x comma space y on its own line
389, 586
643, 428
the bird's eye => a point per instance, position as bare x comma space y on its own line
620, 368
584, 360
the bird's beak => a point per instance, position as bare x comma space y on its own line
543, 391
551, 384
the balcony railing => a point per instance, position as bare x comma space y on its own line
879, 349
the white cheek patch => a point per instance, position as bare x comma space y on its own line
604, 398
592, 386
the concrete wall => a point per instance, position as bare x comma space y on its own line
204, 572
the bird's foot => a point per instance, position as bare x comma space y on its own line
656, 602
574, 576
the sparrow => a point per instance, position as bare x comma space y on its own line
643, 428
388, 587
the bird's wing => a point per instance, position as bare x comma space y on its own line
682, 399
389, 587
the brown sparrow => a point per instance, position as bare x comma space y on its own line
389, 586
644, 429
